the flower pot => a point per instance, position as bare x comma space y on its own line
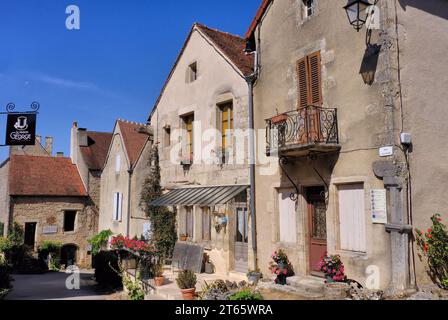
208, 268
183, 238
159, 281
281, 280
329, 279
188, 294
279, 118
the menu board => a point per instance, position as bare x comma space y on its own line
378, 200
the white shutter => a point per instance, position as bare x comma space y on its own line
287, 218
120, 206
115, 212
352, 217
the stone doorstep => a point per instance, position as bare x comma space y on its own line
307, 283
291, 290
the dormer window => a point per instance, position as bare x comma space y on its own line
192, 72
309, 8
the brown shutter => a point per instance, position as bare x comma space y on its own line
302, 83
315, 83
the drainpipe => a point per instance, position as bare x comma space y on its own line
250, 83
128, 219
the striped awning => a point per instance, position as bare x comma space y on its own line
201, 196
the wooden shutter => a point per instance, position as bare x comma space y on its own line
309, 81
302, 82
352, 218
120, 206
315, 77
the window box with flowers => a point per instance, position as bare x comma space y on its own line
281, 267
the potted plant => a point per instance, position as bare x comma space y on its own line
279, 118
159, 279
281, 267
254, 276
333, 268
186, 281
208, 266
183, 237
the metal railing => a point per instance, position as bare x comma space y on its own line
303, 127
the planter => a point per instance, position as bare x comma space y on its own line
183, 238
329, 279
208, 268
281, 280
279, 118
254, 278
159, 281
188, 294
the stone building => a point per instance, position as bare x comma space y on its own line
46, 197
125, 169
203, 102
336, 107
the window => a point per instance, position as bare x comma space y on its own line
118, 199
287, 217
309, 82
226, 128
2, 229
117, 163
30, 234
188, 143
352, 228
242, 230
206, 224
69, 221
189, 222
192, 72
166, 136
309, 8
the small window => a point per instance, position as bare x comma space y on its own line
309, 8
226, 129
118, 198
117, 163
192, 72
188, 142
166, 136
2, 228
69, 221
206, 224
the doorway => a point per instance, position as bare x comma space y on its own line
241, 240
317, 226
30, 234
68, 255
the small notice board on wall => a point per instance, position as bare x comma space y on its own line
378, 201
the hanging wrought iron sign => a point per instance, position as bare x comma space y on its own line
21, 126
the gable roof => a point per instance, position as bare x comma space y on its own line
133, 139
96, 152
258, 16
44, 176
232, 47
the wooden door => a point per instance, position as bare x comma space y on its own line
241, 240
30, 234
317, 217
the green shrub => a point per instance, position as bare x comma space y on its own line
99, 241
5, 245
246, 294
5, 274
186, 279
106, 264
50, 246
135, 291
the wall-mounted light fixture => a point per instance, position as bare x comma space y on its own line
357, 13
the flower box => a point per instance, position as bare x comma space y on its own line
279, 118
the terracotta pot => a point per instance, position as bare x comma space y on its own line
279, 118
159, 281
188, 294
183, 238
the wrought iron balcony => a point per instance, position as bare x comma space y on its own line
302, 132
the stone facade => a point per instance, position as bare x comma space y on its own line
368, 117
49, 211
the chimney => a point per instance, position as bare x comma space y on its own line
49, 145
38, 139
59, 154
82, 138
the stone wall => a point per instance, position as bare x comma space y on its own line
49, 211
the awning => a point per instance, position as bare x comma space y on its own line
201, 196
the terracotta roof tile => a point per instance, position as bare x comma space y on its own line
95, 154
134, 140
44, 176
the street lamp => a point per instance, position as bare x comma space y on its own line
357, 13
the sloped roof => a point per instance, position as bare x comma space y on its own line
44, 176
134, 140
232, 46
260, 12
96, 152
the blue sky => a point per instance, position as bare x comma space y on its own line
113, 67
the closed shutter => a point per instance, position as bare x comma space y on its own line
309, 81
287, 218
352, 218
206, 224
120, 206
115, 212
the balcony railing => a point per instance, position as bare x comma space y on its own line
302, 131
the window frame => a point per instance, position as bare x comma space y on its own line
64, 229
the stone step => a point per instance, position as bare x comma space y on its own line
296, 292
307, 284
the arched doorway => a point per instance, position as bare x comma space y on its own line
69, 253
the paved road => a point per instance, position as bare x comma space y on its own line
52, 286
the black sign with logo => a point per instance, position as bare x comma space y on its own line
21, 129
